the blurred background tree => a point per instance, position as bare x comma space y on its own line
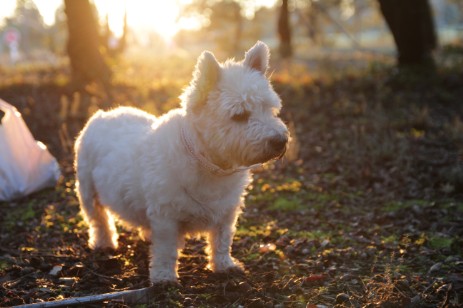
412, 26
224, 22
284, 31
87, 62
305, 30
226, 25
28, 21
58, 32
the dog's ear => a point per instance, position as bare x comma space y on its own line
205, 77
207, 71
257, 57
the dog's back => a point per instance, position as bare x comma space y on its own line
109, 141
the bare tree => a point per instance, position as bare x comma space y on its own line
87, 62
284, 31
412, 27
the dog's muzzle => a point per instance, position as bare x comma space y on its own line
277, 144
275, 148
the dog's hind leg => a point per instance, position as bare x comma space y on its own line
102, 228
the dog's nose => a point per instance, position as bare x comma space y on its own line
278, 143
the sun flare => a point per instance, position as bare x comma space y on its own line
159, 16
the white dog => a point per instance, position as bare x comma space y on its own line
186, 171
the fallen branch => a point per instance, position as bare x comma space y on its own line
132, 297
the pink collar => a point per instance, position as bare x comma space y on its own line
206, 163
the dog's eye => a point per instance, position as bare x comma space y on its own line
241, 117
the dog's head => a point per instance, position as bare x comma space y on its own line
234, 109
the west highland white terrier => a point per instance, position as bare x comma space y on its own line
185, 172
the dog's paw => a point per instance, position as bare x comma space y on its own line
102, 243
162, 276
227, 265
105, 251
234, 271
102, 240
103, 247
165, 285
231, 273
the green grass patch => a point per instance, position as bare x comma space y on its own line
398, 205
253, 231
311, 235
251, 257
453, 205
4, 264
440, 242
20, 214
403, 268
287, 204
302, 201
391, 239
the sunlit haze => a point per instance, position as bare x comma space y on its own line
155, 15
159, 16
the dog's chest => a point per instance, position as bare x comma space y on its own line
210, 201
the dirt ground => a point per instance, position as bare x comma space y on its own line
366, 210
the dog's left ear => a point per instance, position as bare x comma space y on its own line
257, 57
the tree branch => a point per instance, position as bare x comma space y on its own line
138, 296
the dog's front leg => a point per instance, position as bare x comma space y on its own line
220, 241
164, 254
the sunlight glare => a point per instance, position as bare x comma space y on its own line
158, 16
145, 16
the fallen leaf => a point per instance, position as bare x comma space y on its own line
264, 248
55, 270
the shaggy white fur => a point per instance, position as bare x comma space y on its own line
181, 173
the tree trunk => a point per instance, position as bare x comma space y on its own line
238, 30
284, 31
87, 63
412, 27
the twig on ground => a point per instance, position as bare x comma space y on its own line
138, 296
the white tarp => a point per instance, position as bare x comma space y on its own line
26, 165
